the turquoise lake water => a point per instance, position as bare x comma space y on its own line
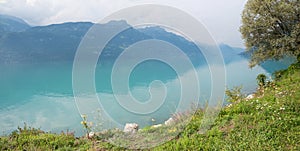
41, 95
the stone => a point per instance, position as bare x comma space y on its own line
249, 97
170, 121
131, 128
156, 126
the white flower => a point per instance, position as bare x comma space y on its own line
91, 134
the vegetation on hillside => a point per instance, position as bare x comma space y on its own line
269, 121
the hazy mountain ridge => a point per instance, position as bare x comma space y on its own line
57, 42
11, 24
21, 43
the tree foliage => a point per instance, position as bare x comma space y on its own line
271, 29
261, 80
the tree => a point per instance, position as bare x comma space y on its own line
271, 29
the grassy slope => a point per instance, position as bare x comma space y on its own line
271, 121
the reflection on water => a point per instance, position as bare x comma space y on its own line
41, 94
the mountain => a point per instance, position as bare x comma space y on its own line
12, 24
20, 43
230, 53
188, 47
59, 42
43, 43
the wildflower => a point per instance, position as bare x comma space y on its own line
172, 130
83, 122
91, 134
282, 108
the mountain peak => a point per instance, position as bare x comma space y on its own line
12, 24
13, 18
117, 22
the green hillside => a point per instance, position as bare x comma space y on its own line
270, 121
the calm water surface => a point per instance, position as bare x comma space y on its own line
41, 94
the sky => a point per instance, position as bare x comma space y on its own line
222, 18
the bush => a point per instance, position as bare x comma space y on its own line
261, 80
234, 95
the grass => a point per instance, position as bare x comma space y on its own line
269, 121
28, 138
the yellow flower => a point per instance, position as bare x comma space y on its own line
83, 122
172, 130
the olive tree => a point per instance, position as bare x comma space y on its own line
271, 29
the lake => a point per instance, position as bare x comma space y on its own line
41, 94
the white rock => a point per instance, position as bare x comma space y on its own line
249, 97
91, 134
156, 126
131, 128
170, 121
